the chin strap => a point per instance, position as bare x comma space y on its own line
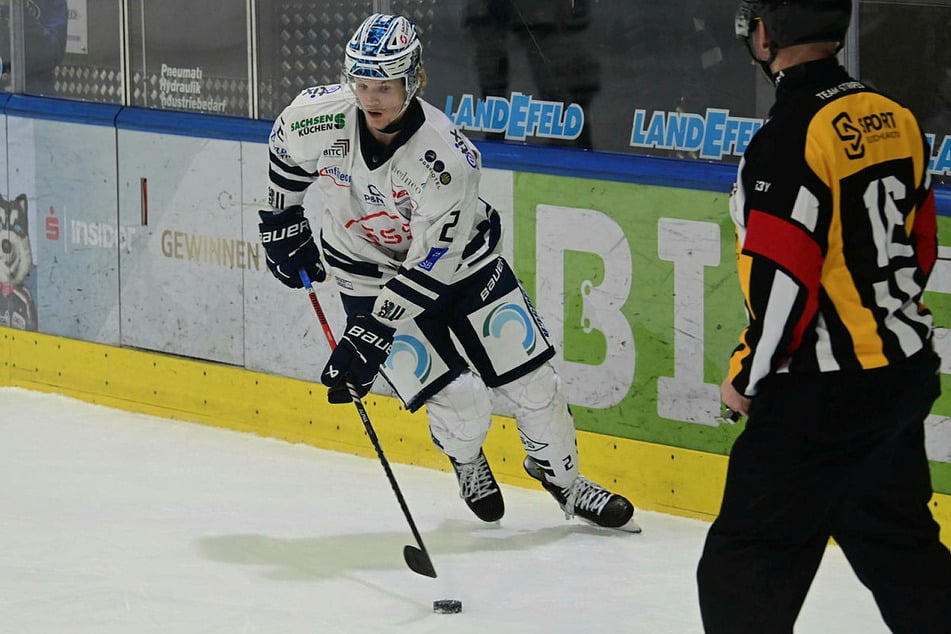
397, 123
765, 65
771, 77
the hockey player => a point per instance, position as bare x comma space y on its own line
836, 239
415, 254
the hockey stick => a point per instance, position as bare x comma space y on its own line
416, 558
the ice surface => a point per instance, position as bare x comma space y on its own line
113, 522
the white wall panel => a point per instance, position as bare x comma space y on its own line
181, 285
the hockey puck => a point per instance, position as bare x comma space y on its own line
447, 606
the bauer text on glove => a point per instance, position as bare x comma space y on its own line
357, 358
289, 246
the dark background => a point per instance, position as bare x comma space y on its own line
610, 56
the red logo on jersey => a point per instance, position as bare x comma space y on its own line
382, 228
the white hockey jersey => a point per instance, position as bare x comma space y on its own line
406, 217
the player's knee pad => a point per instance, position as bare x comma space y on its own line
544, 422
459, 416
539, 391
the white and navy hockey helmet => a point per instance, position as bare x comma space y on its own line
385, 47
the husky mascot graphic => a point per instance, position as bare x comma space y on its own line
16, 263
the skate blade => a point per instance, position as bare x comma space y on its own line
630, 527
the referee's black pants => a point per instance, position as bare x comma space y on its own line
836, 455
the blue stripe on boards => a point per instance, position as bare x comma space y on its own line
557, 161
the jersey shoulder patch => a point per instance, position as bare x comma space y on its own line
325, 112
442, 132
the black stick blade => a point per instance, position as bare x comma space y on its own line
418, 561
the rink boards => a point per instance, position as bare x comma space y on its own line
656, 477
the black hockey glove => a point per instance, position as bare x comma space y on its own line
289, 246
357, 358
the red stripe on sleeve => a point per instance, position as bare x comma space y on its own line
924, 231
795, 251
786, 244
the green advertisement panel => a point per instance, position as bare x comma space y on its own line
637, 286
